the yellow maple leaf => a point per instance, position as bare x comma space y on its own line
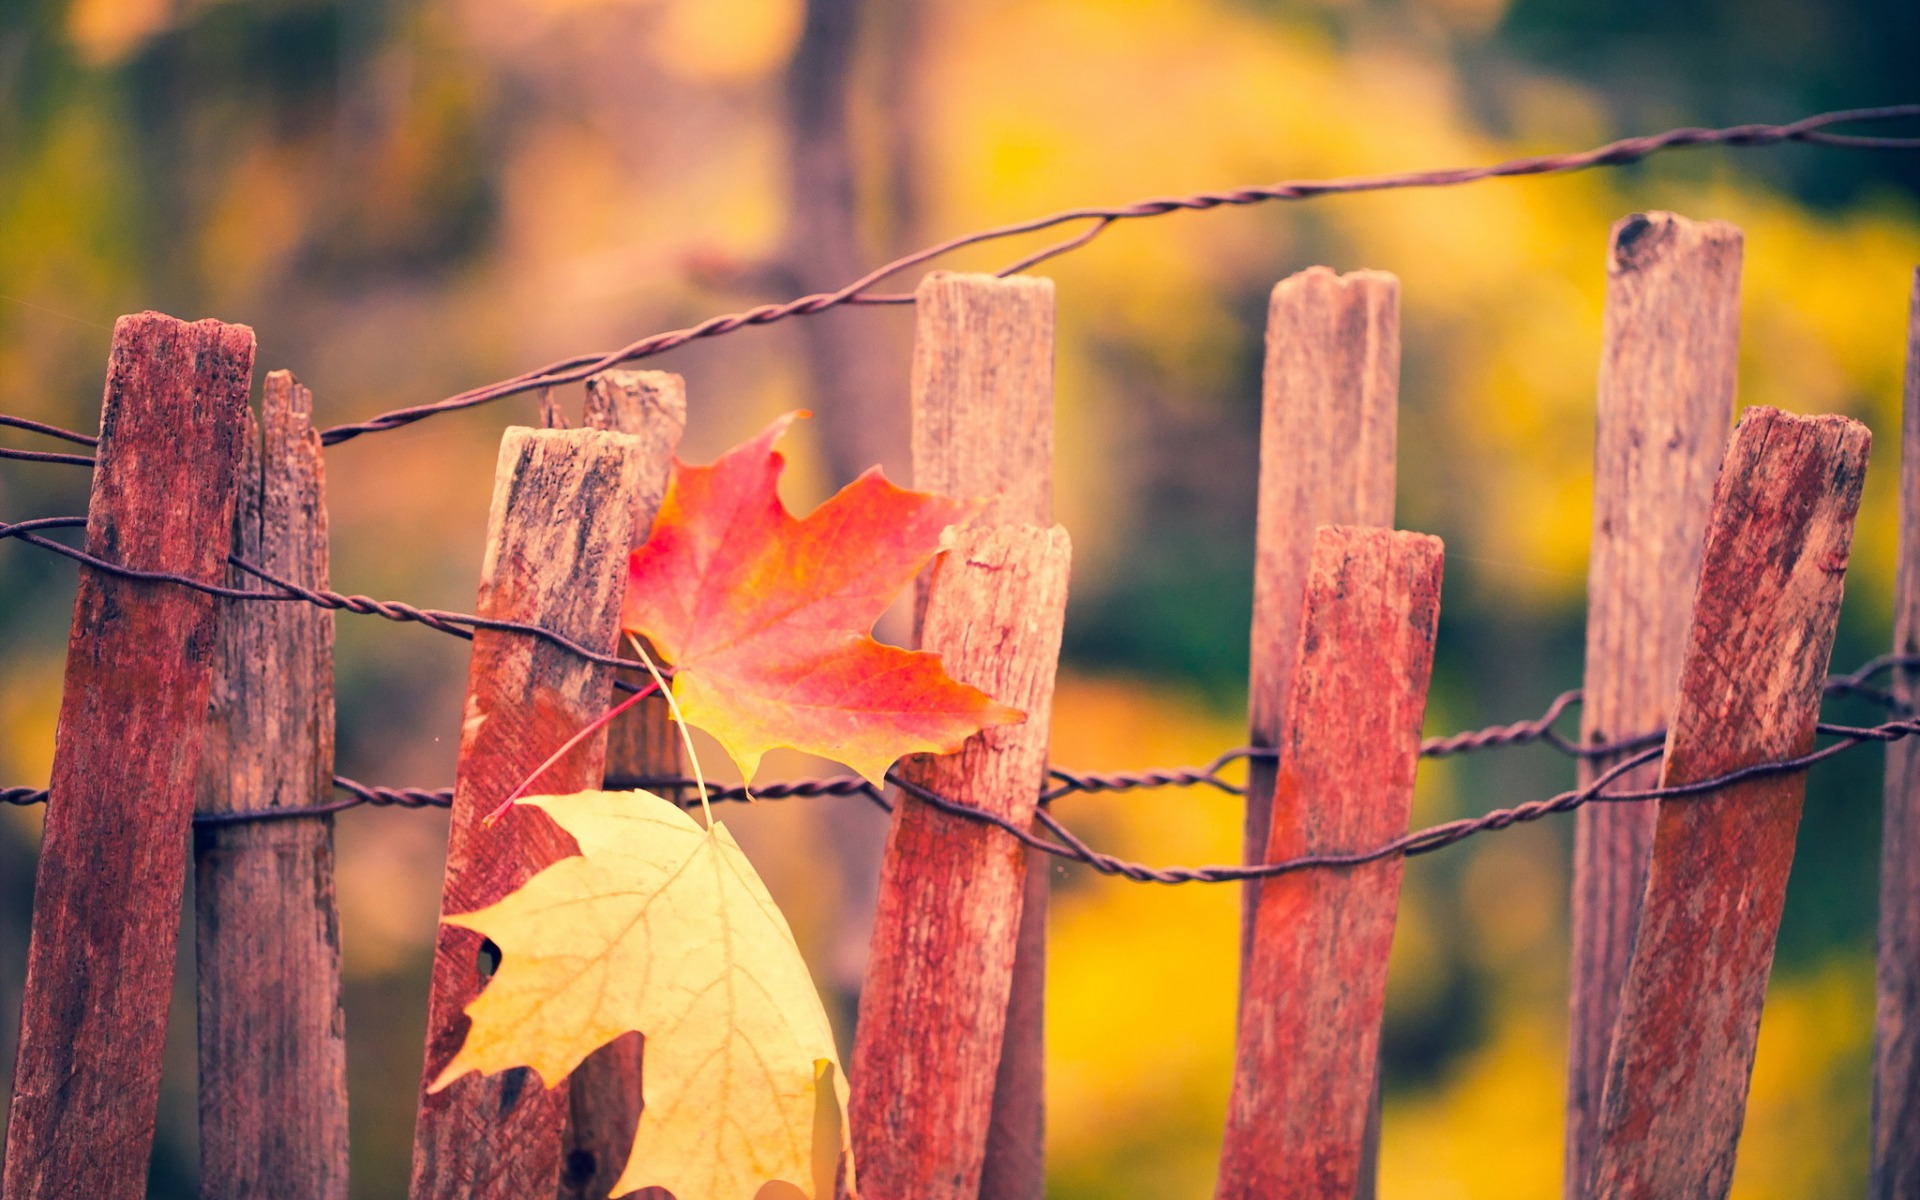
664, 927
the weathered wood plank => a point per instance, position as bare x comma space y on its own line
1330, 394
983, 394
1315, 987
1665, 403
273, 1064
557, 541
652, 407
983, 426
1329, 416
133, 712
1750, 688
933, 1010
1896, 1033
604, 1091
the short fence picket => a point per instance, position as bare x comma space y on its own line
267, 950
557, 542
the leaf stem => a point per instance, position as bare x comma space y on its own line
599, 723
686, 739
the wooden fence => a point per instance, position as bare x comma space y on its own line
176, 703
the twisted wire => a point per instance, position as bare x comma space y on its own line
1617, 153
460, 625
45, 456
1064, 843
52, 431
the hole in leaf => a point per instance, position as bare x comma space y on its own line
489, 959
580, 1165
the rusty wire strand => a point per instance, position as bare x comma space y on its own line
1064, 843
460, 625
1617, 153
46, 456
1624, 151
1538, 729
52, 431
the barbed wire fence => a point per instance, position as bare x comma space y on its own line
1058, 840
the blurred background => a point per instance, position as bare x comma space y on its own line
409, 197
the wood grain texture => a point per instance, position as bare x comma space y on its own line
273, 1064
1307, 1055
1750, 688
557, 541
1329, 415
983, 393
983, 426
1895, 1172
604, 1091
933, 1010
1665, 404
652, 407
113, 860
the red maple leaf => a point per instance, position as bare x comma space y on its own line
766, 617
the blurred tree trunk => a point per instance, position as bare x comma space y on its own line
856, 359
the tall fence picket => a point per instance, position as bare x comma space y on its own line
1314, 991
1665, 404
273, 1051
113, 859
604, 1090
1895, 1173
983, 427
1750, 688
1329, 424
557, 540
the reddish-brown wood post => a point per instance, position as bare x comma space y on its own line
604, 1090
1750, 688
1896, 1031
1316, 981
934, 1006
273, 1062
1329, 415
1665, 403
557, 541
113, 861
983, 426
652, 407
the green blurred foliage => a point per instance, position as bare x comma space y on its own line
408, 197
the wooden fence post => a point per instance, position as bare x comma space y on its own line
652, 407
1750, 689
1896, 1032
1315, 987
113, 859
1665, 403
934, 1006
557, 540
983, 426
604, 1090
273, 1064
